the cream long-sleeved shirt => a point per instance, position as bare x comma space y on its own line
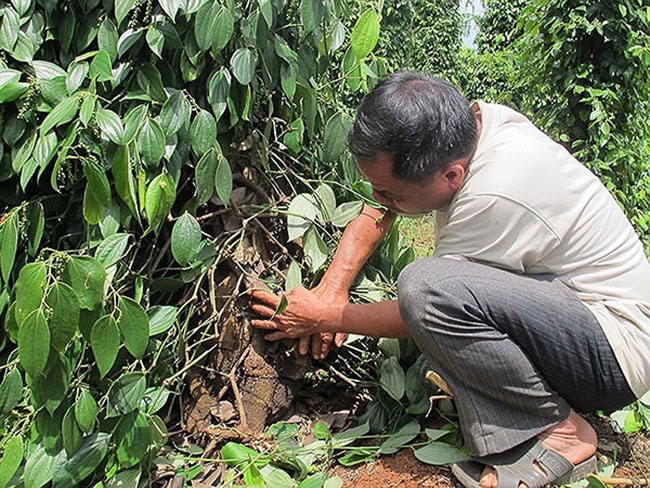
528, 206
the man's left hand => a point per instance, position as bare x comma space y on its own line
306, 314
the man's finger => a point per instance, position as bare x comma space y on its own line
265, 324
262, 310
277, 336
339, 338
326, 344
303, 345
265, 297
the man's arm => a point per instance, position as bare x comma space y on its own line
359, 240
307, 314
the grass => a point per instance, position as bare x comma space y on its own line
418, 233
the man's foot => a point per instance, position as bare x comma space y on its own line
574, 439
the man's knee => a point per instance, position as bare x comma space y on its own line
416, 287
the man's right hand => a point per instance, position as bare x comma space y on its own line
321, 343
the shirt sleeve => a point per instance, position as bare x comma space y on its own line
496, 230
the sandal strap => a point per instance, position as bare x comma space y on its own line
521, 465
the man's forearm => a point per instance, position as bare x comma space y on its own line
359, 240
381, 319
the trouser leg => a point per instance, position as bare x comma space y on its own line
516, 351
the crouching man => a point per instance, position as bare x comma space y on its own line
536, 303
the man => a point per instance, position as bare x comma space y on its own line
537, 300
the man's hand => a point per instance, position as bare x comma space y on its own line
322, 343
306, 314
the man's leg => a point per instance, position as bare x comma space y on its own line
516, 351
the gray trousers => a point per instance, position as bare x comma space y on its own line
518, 352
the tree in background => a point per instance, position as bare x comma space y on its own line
422, 35
586, 69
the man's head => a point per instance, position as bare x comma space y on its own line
410, 130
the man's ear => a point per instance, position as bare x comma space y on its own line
454, 175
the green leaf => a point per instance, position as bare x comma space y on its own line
365, 33
112, 249
392, 378
293, 138
175, 113
101, 67
170, 7
203, 132
288, 79
134, 325
151, 142
29, 289
346, 212
223, 179
294, 276
97, 182
107, 37
126, 394
303, 210
283, 50
186, 237
203, 31
205, 176
92, 208
63, 113
234, 454
311, 14
11, 392
135, 443
122, 9
322, 431
10, 88
124, 181
9, 28
155, 40
36, 220
64, 318
8, 245
154, 399
401, 438
266, 8
38, 467
282, 306
86, 276
315, 249
276, 477
105, 343
223, 27
34, 343
72, 471
70, 433
77, 72
24, 152
439, 453
110, 124
11, 460
87, 110
336, 135
218, 90
159, 199
85, 411
243, 63
348, 436
326, 201
161, 318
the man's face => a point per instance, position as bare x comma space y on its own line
407, 198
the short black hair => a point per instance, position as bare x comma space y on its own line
423, 121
